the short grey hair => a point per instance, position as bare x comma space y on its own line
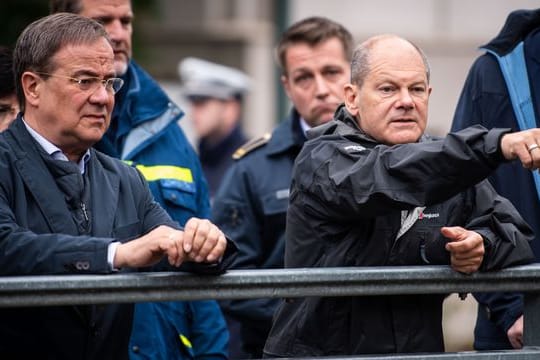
360, 64
43, 38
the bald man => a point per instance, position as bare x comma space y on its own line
371, 189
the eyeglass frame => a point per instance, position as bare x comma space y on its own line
104, 82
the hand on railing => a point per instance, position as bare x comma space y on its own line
515, 333
466, 249
200, 241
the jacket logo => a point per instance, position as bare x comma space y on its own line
423, 215
354, 148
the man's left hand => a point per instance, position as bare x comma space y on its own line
466, 248
203, 241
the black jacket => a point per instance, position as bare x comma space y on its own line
347, 200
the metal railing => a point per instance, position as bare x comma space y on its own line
17, 291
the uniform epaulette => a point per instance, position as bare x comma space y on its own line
251, 145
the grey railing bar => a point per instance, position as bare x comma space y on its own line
530, 353
236, 284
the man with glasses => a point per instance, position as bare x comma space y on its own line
144, 131
66, 208
8, 100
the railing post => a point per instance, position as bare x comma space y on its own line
531, 319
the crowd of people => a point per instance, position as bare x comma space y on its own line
97, 177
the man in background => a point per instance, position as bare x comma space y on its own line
216, 94
8, 100
486, 100
251, 203
144, 132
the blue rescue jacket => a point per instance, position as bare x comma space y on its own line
144, 132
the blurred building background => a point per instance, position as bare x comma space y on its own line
242, 34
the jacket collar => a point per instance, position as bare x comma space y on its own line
141, 100
36, 176
214, 154
287, 136
517, 26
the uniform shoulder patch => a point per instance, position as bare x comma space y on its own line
251, 145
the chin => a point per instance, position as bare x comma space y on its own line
120, 66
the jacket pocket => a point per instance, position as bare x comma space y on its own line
275, 202
179, 193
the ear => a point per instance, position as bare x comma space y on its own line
351, 98
31, 86
285, 82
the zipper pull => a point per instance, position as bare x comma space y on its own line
83, 208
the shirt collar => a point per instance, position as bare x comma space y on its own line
55, 151
304, 125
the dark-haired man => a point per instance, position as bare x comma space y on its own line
66, 208
144, 131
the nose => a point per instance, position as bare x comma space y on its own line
322, 89
100, 95
405, 100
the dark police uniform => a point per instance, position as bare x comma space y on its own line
250, 207
217, 159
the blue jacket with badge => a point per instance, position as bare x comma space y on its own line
250, 207
144, 131
485, 100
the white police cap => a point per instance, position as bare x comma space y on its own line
203, 78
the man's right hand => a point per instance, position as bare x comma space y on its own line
522, 145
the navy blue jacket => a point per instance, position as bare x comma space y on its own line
144, 131
250, 207
484, 100
37, 237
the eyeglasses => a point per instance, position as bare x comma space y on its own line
91, 83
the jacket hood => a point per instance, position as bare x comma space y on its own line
143, 99
517, 26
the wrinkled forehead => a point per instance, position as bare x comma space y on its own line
96, 54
